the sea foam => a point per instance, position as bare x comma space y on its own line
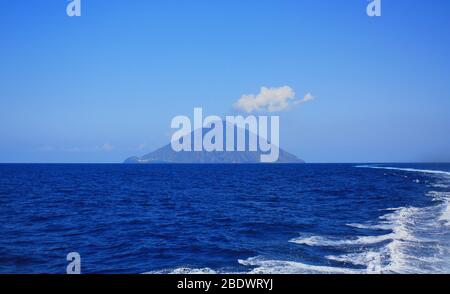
427, 171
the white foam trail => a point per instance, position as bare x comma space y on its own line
264, 266
440, 185
184, 271
416, 245
427, 171
395, 221
445, 217
385, 227
371, 260
439, 196
326, 242
419, 243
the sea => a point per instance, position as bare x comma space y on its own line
258, 219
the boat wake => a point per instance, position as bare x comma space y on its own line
415, 244
417, 240
426, 171
410, 240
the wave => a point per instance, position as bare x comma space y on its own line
445, 216
384, 227
267, 266
416, 245
417, 242
327, 242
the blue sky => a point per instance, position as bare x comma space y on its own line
105, 86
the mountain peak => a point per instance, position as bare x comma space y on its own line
167, 155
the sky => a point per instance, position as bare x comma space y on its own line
105, 86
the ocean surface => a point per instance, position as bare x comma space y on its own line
330, 218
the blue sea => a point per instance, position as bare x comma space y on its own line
324, 218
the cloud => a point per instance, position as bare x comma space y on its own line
308, 97
270, 100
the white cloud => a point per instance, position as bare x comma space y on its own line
308, 97
270, 100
